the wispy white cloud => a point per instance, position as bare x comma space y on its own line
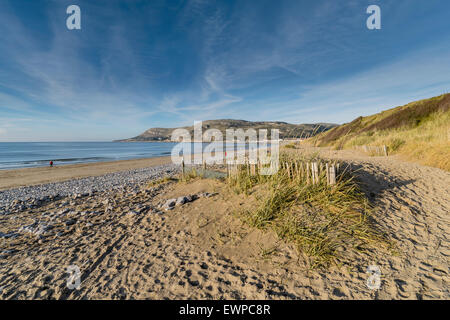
291, 61
419, 75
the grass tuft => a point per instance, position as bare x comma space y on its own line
326, 223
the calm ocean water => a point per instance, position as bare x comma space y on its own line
15, 155
35, 154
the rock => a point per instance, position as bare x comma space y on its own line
36, 228
169, 204
207, 194
141, 208
9, 251
64, 211
182, 200
70, 222
8, 235
192, 197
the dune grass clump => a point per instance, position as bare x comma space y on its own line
290, 146
191, 174
160, 181
325, 222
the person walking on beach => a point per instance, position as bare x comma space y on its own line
51, 163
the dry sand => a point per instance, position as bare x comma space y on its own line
127, 248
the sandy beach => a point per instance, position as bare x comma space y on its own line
127, 246
33, 176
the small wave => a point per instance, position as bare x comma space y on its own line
78, 159
40, 162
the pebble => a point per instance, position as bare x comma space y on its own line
70, 222
23, 198
36, 228
172, 203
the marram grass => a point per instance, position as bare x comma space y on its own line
327, 223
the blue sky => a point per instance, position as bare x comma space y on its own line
140, 64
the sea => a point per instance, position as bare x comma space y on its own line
14, 155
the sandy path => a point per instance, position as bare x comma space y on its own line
413, 205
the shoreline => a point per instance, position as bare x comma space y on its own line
27, 187
26, 177
34, 196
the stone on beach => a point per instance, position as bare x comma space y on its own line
207, 194
37, 228
172, 203
181, 200
169, 204
132, 213
71, 222
8, 235
22, 198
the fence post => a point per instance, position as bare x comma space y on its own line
289, 170
301, 170
332, 174
316, 173
230, 165
385, 150
296, 169
182, 167
247, 164
328, 173
307, 173
253, 169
